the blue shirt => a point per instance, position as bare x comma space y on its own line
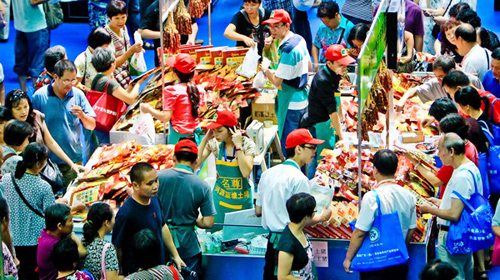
62, 124
326, 37
28, 18
491, 84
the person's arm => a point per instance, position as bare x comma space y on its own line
169, 243
285, 261
136, 48
203, 148
258, 211
205, 222
82, 251
231, 34
272, 77
87, 121
335, 123
149, 34
245, 161
315, 55
56, 149
324, 216
419, 42
429, 176
410, 45
496, 230
451, 214
194, 32
407, 95
356, 240
409, 236
127, 96
163, 116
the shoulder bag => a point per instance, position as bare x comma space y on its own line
103, 260
53, 14
18, 190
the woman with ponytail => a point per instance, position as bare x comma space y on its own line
28, 196
180, 101
100, 221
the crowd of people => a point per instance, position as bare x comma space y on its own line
153, 233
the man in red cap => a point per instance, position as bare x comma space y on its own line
277, 185
181, 215
323, 117
291, 75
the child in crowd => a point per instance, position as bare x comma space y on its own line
65, 257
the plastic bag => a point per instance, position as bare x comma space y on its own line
144, 125
248, 68
322, 194
259, 81
137, 61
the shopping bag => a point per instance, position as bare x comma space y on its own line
53, 14
384, 246
259, 80
144, 125
495, 257
322, 194
137, 64
484, 170
108, 109
492, 167
250, 63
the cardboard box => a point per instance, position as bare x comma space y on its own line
412, 137
263, 108
233, 56
216, 56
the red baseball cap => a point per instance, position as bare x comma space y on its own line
339, 53
224, 118
299, 137
278, 16
182, 62
186, 145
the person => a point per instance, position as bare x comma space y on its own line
21, 108
491, 81
274, 190
487, 39
66, 110
100, 222
465, 175
324, 114
295, 255
476, 59
117, 14
105, 63
234, 163
146, 246
65, 257
393, 199
469, 101
5, 11
141, 210
58, 225
432, 89
469, 16
334, 29
246, 26
32, 40
180, 216
446, 42
357, 37
51, 57
16, 136
358, 11
85, 71
5, 116
27, 224
414, 23
438, 270
181, 102
291, 75
9, 261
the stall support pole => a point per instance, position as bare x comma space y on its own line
210, 23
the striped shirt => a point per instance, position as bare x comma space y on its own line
361, 9
121, 43
160, 272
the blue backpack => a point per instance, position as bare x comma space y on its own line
489, 164
473, 231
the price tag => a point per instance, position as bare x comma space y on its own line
320, 252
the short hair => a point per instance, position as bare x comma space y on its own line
442, 107
489, 40
98, 37
15, 132
328, 9
4, 209
116, 7
469, 16
444, 62
299, 206
137, 172
5, 114
495, 54
466, 32
386, 162
146, 248
455, 142
64, 65
56, 214
65, 254
457, 8
454, 123
358, 32
468, 96
456, 78
438, 270
52, 56
186, 156
102, 59
290, 152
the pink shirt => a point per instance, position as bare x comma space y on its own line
176, 99
46, 267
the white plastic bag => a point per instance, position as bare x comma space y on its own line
259, 80
248, 68
144, 125
322, 194
137, 61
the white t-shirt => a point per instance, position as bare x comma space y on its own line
461, 181
393, 198
477, 61
84, 67
432, 89
275, 187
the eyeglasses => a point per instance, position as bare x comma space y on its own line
67, 81
276, 26
311, 147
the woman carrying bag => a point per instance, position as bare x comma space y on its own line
29, 196
234, 163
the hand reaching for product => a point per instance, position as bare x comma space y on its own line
249, 42
146, 108
137, 48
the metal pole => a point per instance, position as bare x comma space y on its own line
210, 23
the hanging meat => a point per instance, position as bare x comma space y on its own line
196, 8
171, 37
183, 19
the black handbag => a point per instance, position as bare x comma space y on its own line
52, 175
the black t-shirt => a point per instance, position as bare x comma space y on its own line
245, 27
130, 219
150, 21
322, 101
290, 244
